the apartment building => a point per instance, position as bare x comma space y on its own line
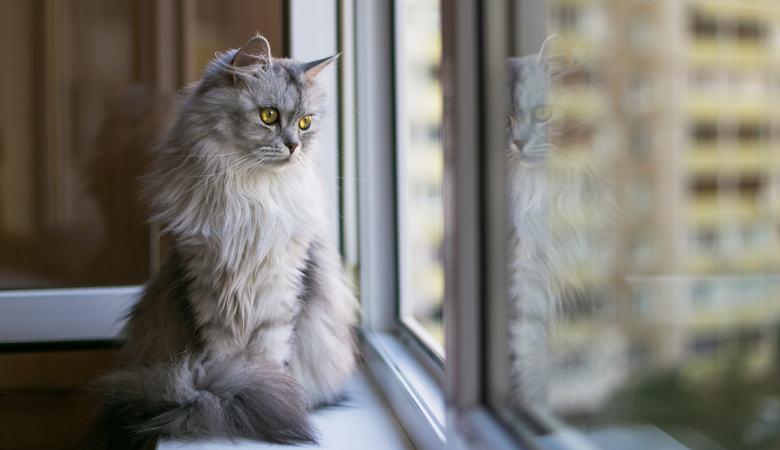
690, 90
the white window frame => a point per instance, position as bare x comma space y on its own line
475, 39
72, 317
410, 379
414, 385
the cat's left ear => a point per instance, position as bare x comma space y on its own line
311, 69
255, 54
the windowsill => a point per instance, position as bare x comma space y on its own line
410, 388
365, 421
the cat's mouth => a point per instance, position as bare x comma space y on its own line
534, 152
275, 157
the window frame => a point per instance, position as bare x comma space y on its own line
475, 262
478, 37
409, 325
84, 314
403, 369
475, 48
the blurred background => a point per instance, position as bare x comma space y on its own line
673, 325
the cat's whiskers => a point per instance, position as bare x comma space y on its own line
245, 160
197, 155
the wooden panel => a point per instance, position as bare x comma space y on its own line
52, 370
44, 402
56, 421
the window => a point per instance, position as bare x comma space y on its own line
72, 148
641, 302
704, 133
641, 141
701, 294
670, 287
705, 240
641, 34
704, 27
566, 17
60, 224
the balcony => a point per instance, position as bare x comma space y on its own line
745, 159
707, 107
712, 209
733, 53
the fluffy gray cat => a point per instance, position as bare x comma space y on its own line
552, 170
248, 325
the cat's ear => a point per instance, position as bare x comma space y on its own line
311, 69
563, 61
545, 52
255, 53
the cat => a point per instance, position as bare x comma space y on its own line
249, 323
542, 186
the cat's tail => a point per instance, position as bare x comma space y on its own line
198, 397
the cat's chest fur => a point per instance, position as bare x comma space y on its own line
246, 279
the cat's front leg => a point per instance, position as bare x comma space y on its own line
324, 349
263, 334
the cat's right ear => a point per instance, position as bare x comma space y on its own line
254, 55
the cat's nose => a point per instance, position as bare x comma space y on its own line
519, 144
292, 146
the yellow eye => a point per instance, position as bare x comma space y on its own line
269, 115
542, 113
305, 122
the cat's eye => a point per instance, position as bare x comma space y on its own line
305, 122
269, 115
542, 113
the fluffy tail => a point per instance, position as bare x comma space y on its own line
200, 397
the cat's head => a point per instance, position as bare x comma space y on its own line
262, 111
543, 127
529, 110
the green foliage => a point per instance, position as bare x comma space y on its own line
730, 411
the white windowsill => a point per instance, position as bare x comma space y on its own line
364, 422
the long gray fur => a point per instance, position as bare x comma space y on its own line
249, 323
540, 183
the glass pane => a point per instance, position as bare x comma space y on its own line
420, 167
642, 186
220, 25
86, 88
75, 127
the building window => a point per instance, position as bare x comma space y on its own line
706, 346
641, 303
701, 294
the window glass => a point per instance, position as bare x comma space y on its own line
420, 167
86, 88
75, 123
642, 196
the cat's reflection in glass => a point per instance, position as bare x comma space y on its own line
558, 151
